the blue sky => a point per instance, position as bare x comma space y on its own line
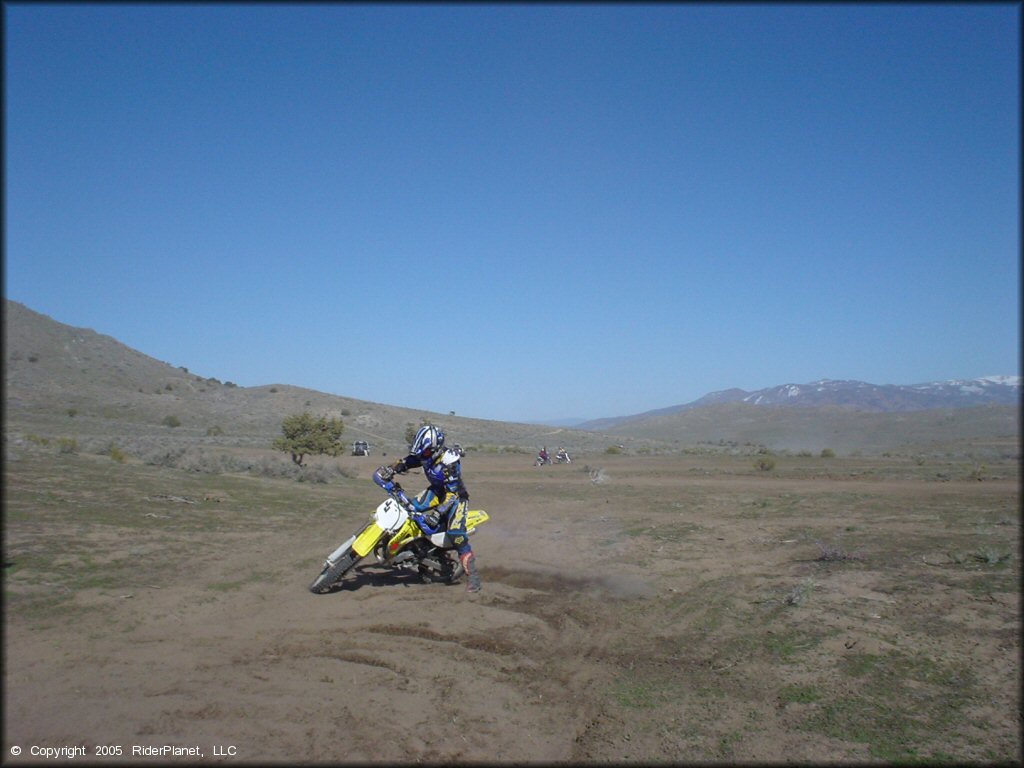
522, 212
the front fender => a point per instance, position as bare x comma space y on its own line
367, 539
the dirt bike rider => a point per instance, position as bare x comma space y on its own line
444, 474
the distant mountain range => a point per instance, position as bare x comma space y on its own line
60, 380
853, 395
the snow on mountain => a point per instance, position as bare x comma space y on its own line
954, 393
857, 395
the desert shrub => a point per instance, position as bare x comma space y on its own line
214, 431
171, 421
982, 555
67, 445
37, 440
990, 556
117, 454
315, 474
268, 467
765, 464
72, 412
613, 449
161, 458
799, 593
828, 453
351, 474
834, 553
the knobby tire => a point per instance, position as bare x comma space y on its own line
331, 574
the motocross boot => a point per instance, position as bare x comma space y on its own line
468, 561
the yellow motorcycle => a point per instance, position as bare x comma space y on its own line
397, 541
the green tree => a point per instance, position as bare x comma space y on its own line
304, 434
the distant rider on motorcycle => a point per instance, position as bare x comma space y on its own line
444, 475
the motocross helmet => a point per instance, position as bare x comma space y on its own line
428, 441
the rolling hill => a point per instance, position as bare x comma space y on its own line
59, 379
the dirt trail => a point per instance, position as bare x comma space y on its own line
631, 618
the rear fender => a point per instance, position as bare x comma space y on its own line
475, 517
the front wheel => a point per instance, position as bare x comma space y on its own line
332, 573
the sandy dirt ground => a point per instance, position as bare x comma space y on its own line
679, 609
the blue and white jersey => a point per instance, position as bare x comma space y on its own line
444, 475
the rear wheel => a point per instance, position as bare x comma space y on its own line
332, 573
452, 567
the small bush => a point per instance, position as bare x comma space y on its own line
799, 593
67, 445
171, 421
834, 553
765, 464
117, 454
613, 449
72, 412
214, 431
314, 474
983, 555
828, 453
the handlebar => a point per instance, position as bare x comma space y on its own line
393, 489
